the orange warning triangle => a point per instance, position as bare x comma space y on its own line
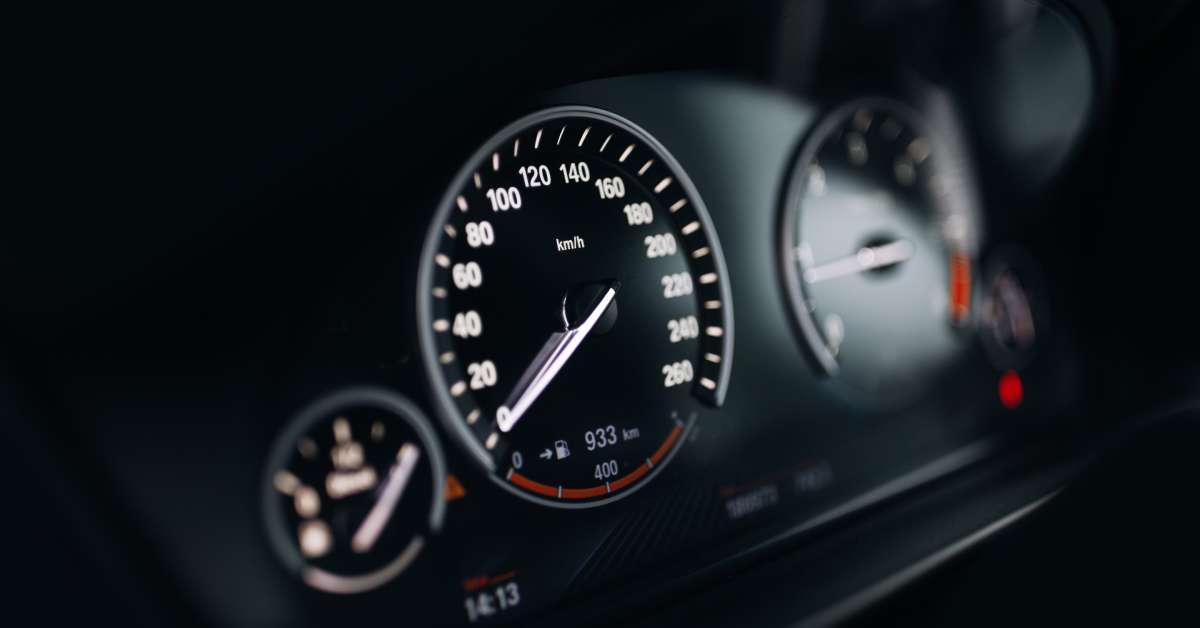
454, 488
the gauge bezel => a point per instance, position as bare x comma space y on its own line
795, 188
281, 450
446, 409
1014, 258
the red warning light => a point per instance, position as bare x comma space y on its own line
1012, 392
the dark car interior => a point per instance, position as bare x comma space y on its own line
778, 313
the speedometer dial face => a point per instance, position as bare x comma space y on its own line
574, 307
877, 243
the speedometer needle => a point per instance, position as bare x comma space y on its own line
398, 476
867, 258
550, 360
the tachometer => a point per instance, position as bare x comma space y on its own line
574, 307
878, 237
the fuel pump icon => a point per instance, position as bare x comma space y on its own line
561, 450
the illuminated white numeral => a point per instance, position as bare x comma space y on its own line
639, 214
468, 324
535, 176
483, 374
468, 275
606, 470
677, 373
600, 437
508, 595
676, 285
662, 245
611, 187
684, 328
480, 234
504, 199
576, 173
487, 603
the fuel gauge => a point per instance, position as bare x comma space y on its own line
354, 490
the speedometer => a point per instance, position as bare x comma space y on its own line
574, 307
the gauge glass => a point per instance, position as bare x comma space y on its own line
354, 490
877, 244
574, 307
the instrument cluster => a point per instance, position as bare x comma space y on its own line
604, 418
641, 314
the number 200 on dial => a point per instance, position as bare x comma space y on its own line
574, 307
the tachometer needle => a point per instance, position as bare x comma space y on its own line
393, 488
867, 258
550, 360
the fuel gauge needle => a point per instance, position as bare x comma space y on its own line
550, 360
398, 476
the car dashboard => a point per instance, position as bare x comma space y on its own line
637, 314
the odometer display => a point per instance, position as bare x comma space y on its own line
574, 307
